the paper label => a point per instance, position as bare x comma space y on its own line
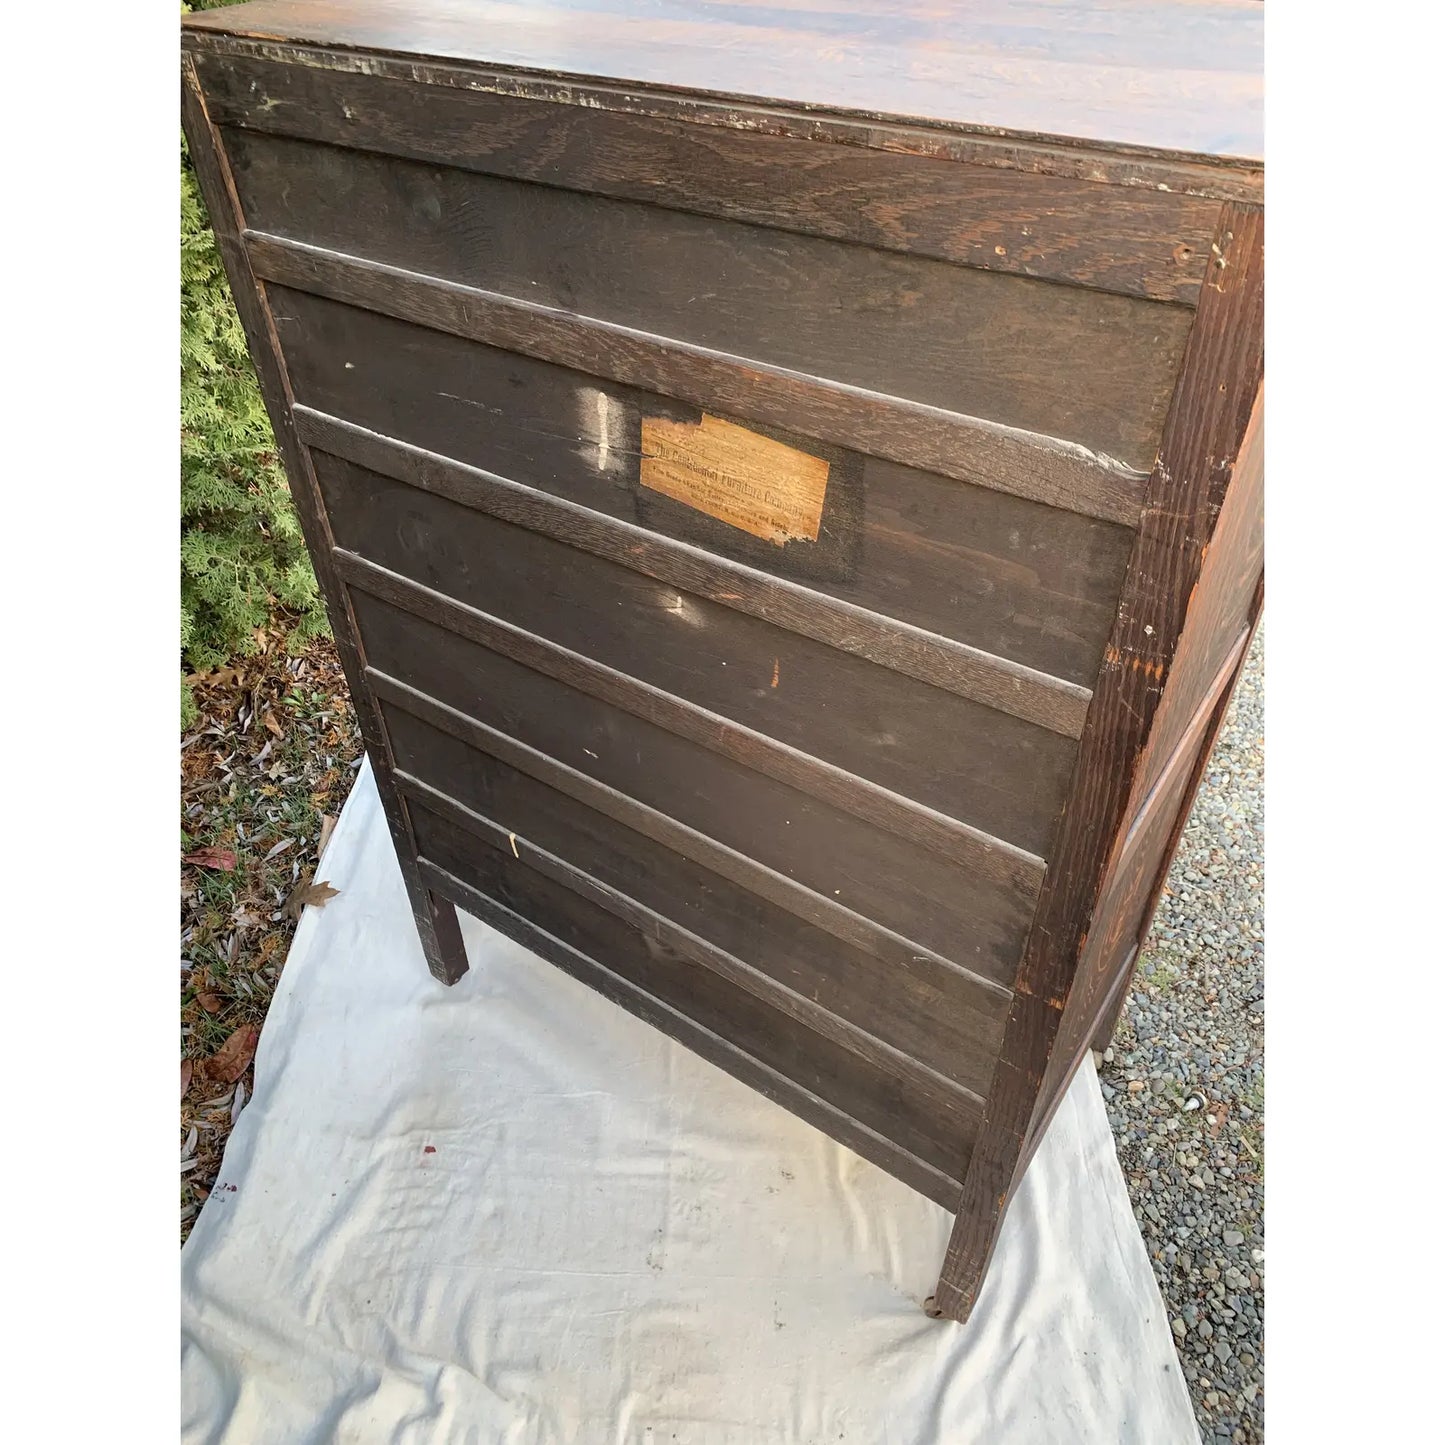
748, 481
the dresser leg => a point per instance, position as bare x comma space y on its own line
441, 936
957, 1289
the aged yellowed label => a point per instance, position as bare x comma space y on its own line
746, 480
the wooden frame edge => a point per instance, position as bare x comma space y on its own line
1209, 415
436, 919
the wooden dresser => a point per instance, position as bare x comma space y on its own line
786, 481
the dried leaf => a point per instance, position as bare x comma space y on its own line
316, 894
221, 859
280, 847
211, 1002
222, 677
186, 1069
328, 824
231, 1060
238, 1103
270, 721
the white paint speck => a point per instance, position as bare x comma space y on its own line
602, 420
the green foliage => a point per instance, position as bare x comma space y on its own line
242, 554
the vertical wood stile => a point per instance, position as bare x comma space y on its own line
436, 920
1214, 397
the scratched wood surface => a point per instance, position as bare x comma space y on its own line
1149, 238
791, 519
1000, 573
1064, 361
1204, 451
1166, 75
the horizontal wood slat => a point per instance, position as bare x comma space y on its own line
935, 1126
1221, 177
1058, 361
865, 934
929, 1180
996, 773
966, 846
1014, 578
1045, 469
1022, 692
909, 888
1138, 241
885, 1057
926, 1009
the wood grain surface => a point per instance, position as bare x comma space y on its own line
1137, 239
1163, 75
1215, 398
1063, 361
1004, 776
786, 483
974, 913
1059, 471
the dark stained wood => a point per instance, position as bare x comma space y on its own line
1215, 707
1009, 577
910, 889
1161, 76
905, 1030
1125, 900
1010, 687
1216, 394
1057, 360
754, 529
896, 954
962, 843
1006, 576
936, 1125
1129, 170
1059, 472
435, 919
1225, 602
1228, 596
995, 772
775, 1084
1137, 241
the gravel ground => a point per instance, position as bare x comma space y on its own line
1184, 1082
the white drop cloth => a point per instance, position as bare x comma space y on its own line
511, 1212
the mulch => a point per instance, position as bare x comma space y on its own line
265, 769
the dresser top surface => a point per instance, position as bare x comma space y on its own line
1180, 77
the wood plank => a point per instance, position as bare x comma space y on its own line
436, 922
1134, 240
935, 1125
1202, 177
1218, 387
1009, 577
1126, 900
880, 1019
962, 844
770, 1082
910, 889
1158, 76
895, 953
1224, 602
963, 759
1061, 361
969, 672
1047, 469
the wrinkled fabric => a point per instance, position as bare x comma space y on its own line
510, 1212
